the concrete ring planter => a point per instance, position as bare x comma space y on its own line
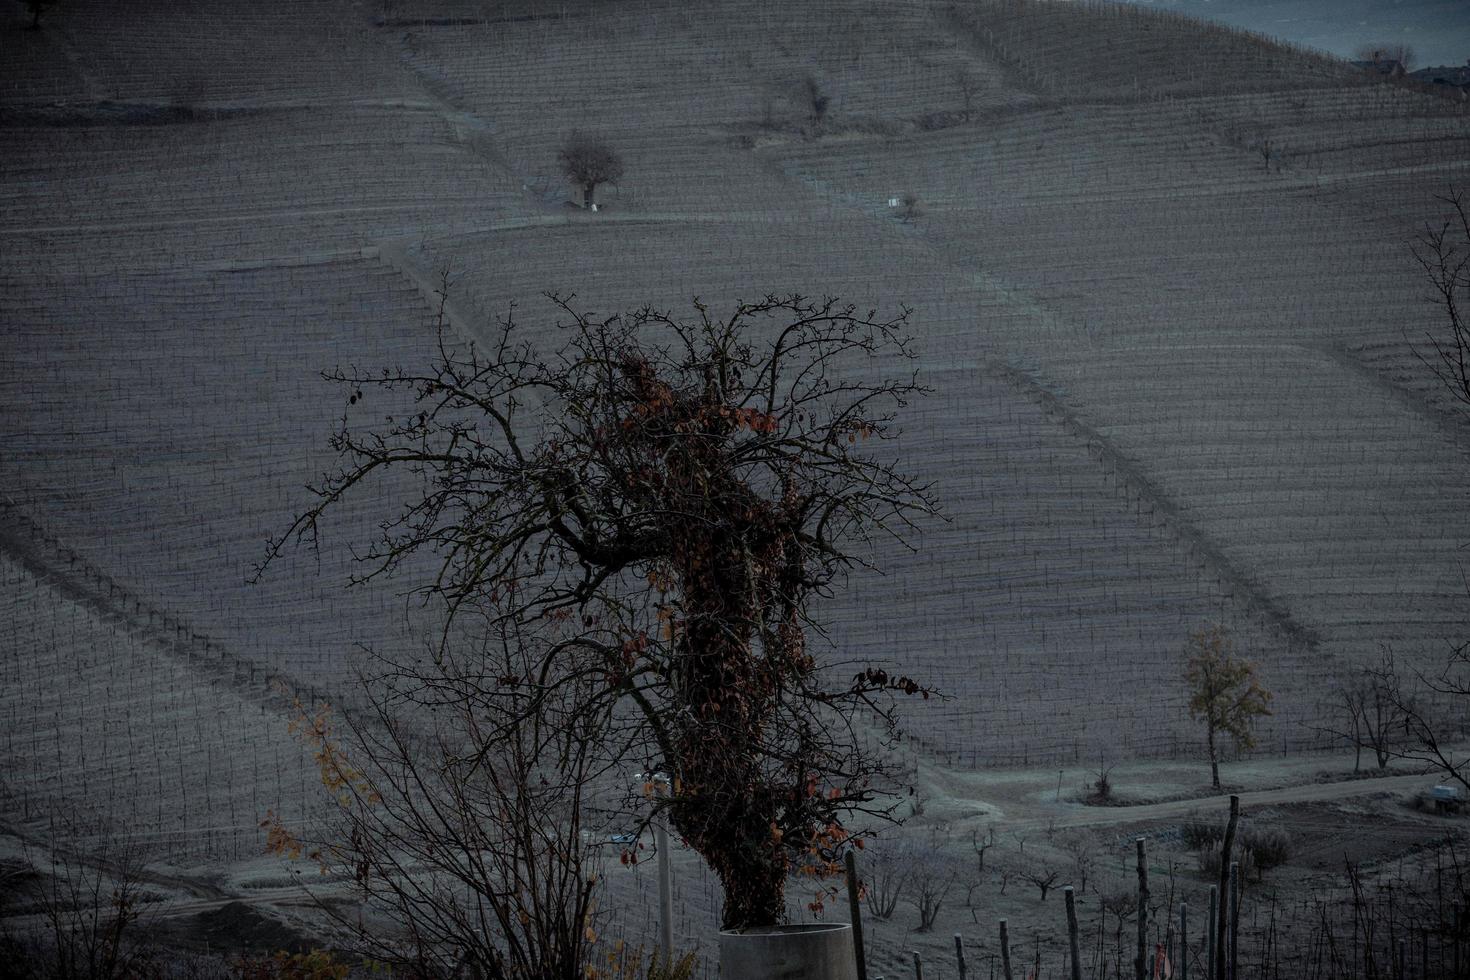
821, 951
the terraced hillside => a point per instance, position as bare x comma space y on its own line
1158, 274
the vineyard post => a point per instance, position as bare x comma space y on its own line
859, 953
1455, 941
1140, 961
1218, 969
959, 954
918, 965
1005, 952
1183, 959
1210, 933
1234, 918
1072, 932
665, 884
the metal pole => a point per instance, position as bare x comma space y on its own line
1072, 932
857, 915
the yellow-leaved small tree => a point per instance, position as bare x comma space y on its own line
1224, 692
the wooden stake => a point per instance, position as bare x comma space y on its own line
857, 916
1005, 952
1211, 937
1140, 961
1183, 958
1072, 933
1217, 970
959, 954
1234, 918
918, 966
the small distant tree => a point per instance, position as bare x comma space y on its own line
1080, 847
1382, 54
816, 100
1043, 876
34, 8
981, 845
588, 161
909, 209
1225, 693
968, 84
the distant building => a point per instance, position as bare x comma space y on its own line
1383, 64
1455, 76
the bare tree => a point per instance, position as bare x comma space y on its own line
981, 845
1444, 253
1426, 737
1225, 693
588, 161
668, 497
1376, 706
1042, 875
1081, 849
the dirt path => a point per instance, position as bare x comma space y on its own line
1077, 815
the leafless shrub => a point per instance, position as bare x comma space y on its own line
1268, 847
1199, 833
930, 883
887, 879
87, 887
460, 810
1102, 782
1209, 864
